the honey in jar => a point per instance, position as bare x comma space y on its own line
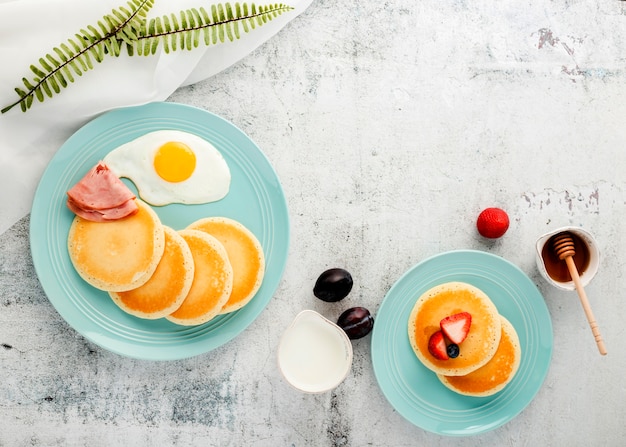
557, 268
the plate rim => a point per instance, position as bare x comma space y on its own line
378, 365
40, 251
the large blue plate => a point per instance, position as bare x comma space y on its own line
255, 199
414, 391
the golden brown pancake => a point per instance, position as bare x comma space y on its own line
167, 287
495, 374
212, 280
245, 254
449, 299
119, 255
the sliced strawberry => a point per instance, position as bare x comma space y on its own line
437, 346
457, 326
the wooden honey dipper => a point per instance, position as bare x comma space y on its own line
564, 247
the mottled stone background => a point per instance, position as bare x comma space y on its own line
390, 125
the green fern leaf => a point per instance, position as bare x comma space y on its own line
53, 61
29, 101
75, 67
59, 52
220, 32
68, 74
75, 46
39, 94
229, 31
37, 72
93, 52
93, 33
45, 65
54, 84
167, 26
27, 84
58, 76
87, 59
183, 20
117, 13
188, 37
21, 93
104, 28
46, 88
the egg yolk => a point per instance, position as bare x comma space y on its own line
174, 161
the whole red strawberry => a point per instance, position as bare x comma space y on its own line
492, 223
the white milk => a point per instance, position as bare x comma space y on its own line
314, 354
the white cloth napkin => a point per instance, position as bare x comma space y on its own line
29, 29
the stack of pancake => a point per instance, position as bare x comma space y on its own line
489, 356
214, 266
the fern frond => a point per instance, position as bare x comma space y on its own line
128, 26
52, 72
189, 28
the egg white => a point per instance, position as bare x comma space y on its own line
134, 160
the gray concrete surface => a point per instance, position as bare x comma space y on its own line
390, 125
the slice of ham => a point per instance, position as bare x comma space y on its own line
100, 196
128, 208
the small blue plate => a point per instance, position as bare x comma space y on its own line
255, 199
415, 391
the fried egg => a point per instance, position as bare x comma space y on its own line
172, 166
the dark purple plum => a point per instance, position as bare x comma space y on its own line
333, 285
356, 322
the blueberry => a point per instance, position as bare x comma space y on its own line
453, 350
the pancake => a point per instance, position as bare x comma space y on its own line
118, 255
245, 254
496, 374
167, 287
449, 299
212, 280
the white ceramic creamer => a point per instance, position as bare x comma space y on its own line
314, 354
